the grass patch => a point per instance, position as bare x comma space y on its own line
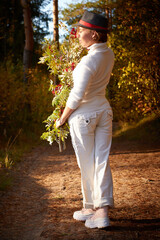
12, 149
146, 130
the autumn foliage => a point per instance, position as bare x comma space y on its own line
134, 89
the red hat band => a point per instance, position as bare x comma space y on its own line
86, 24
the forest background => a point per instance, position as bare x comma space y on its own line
134, 89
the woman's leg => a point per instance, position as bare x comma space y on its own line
103, 185
82, 134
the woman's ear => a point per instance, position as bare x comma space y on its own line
95, 36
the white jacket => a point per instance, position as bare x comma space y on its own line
91, 77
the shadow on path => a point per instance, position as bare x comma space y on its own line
47, 190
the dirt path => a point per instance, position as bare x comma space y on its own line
46, 192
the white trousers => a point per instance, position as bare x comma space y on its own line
91, 135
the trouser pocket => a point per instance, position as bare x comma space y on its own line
85, 123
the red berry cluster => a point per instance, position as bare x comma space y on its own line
50, 48
74, 33
57, 89
72, 67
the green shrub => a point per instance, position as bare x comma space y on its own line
22, 104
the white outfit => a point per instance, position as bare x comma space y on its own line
91, 125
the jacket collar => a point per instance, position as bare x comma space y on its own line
98, 47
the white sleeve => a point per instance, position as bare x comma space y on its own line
82, 77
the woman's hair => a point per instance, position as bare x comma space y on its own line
100, 36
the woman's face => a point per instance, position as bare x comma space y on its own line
85, 37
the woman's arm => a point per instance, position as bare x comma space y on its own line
66, 113
82, 78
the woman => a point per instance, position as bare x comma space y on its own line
90, 120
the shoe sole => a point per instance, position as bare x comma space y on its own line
99, 223
82, 218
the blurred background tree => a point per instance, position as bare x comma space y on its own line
135, 84
15, 42
12, 35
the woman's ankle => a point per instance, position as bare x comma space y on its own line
88, 210
101, 212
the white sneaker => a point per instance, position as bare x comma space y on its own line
82, 216
97, 223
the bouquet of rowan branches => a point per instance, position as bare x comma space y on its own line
61, 62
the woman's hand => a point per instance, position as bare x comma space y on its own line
59, 122
66, 113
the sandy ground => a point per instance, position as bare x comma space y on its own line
46, 191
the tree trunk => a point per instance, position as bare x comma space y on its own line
28, 49
109, 16
55, 22
55, 31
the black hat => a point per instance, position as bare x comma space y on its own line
93, 21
